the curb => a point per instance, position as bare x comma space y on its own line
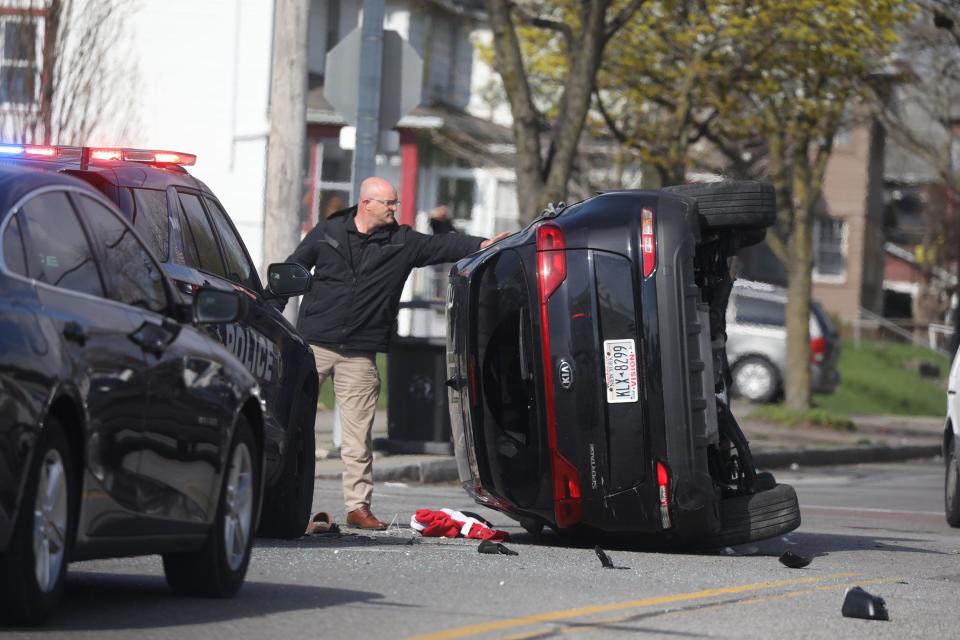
848, 455
444, 469
429, 472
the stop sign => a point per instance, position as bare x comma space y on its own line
401, 78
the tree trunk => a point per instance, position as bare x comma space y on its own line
799, 289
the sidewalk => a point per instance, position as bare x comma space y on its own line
876, 439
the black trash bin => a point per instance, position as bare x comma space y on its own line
418, 420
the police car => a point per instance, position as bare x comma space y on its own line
189, 231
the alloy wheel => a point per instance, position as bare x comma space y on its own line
238, 506
50, 521
753, 380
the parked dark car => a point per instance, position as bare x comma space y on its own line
757, 343
188, 229
587, 373
124, 428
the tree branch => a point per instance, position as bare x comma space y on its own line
543, 23
621, 18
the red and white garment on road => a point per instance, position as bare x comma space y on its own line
447, 523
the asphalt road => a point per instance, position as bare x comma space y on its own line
877, 526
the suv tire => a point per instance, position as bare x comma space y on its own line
758, 516
731, 204
287, 504
755, 379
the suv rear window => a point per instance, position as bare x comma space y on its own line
504, 337
751, 310
149, 217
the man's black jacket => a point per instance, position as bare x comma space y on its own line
353, 308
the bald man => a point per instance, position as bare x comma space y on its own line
360, 258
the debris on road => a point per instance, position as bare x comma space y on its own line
486, 546
604, 558
321, 523
794, 560
857, 603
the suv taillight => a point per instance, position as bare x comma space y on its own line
818, 349
663, 494
551, 272
648, 241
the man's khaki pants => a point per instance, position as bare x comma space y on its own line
356, 386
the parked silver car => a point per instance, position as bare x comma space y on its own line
757, 343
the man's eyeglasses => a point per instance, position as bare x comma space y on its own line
386, 203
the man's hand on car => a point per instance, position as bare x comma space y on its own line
497, 238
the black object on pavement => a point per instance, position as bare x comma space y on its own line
860, 604
495, 548
604, 558
794, 560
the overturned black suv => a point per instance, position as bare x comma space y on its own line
588, 376
190, 233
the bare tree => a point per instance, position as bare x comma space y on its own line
68, 79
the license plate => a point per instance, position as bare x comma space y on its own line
621, 368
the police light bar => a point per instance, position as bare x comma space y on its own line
98, 154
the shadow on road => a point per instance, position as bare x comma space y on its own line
110, 602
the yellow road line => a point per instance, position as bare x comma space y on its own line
509, 623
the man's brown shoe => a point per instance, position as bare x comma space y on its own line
361, 518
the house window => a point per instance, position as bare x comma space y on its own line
458, 194
506, 213
19, 65
328, 185
829, 248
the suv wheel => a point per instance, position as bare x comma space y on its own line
287, 504
217, 570
758, 516
731, 204
755, 379
34, 568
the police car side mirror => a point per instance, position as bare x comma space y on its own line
286, 279
214, 306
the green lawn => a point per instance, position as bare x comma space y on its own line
883, 378
326, 391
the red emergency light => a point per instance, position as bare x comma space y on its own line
98, 154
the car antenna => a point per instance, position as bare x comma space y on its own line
84, 158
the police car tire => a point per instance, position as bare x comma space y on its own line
731, 204
208, 571
758, 516
287, 504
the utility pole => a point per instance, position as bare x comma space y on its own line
368, 96
288, 116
